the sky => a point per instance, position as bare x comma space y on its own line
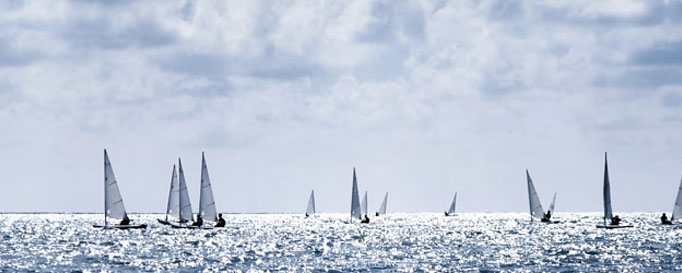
423, 98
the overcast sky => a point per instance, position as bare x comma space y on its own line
423, 98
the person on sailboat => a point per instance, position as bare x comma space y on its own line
615, 220
199, 221
366, 220
306, 215
221, 221
546, 217
447, 214
125, 221
664, 220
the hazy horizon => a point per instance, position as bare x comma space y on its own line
423, 98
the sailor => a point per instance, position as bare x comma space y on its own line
615, 220
664, 220
366, 220
125, 221
306, 214
221, 221
547, 216
447, 214
199, 221
377, 214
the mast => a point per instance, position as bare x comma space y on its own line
382, 208
355, 199
173, 206
311, 204
451, 210
206, 202
364, 204
185, 204
113, 203
536, 210
677, 207
608, 214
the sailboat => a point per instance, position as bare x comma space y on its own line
364, 205
608, 213
310, 210
382, 208
113, 202
207, 209
451, 210
677, 207
355, 210
173, 207
536, 211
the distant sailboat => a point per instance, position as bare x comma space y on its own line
382, 208
207, 209
609, 220
173, 207
186, 214
355, 210
310, 210
113, 202
551, 206
364, 205
451, 210
536, 211
677, 207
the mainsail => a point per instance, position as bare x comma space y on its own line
310, 210
551, 206
608, 213
355, 199
113, 203
533, 199
382, 208
206, 202
185, 204
451, 210
677, 208
364, 204
173, 208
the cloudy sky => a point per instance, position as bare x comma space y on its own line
423, 98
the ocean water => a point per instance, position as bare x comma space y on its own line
421, 242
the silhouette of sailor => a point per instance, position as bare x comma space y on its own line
199, 221
664, 220
221, 221
366, 220
615, 220
546, 216
125, 221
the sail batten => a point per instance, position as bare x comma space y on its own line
113, 202
536, 210
184, 202
382, 208
355, 211
677, 208
207, 208
310, 209
453, 205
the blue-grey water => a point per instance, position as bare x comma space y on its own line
484, 242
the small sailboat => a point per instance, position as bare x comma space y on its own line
536, 211
382, 208
173, 207
207, 210
113, 202
610, 221
451, 210
677, 207
310, 210
355, 209
364, 205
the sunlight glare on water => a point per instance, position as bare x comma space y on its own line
327, 242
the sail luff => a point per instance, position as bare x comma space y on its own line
173, 207
677, 208
453, 205
310, 209
382, 208
536, 210
355, 199
113, 202
207, 208
364, 204
608, 213
184, 203
551, 206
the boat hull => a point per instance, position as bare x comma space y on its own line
189, 227
141, 226
614, 226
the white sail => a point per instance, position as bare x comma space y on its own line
206, 202
382, 208
608, 213
677, 208
355, 199
185, 204
364, 204
173, 208
551, 206
451, 210
533, 199
113, 203
310, 210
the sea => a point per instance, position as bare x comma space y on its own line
396, 242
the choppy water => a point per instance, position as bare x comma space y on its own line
485, 242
